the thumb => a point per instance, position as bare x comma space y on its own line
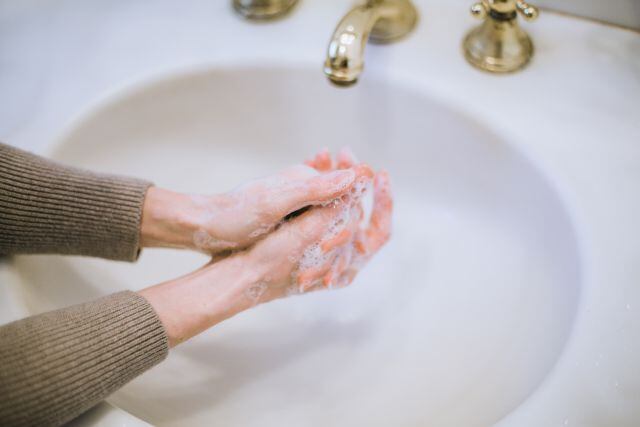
315, 190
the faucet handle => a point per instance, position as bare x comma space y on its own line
507, 7
528, 12
499, 44
479, 10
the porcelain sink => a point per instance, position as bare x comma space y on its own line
508, 294
456, 322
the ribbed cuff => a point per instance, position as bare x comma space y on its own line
56, 365
49, 208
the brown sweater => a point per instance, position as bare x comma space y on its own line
56, 365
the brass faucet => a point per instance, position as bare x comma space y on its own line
381, 21
499, 45
263, 9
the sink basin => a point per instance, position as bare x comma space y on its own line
455, 322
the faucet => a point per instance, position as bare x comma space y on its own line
263, 10
381, 21
499, 45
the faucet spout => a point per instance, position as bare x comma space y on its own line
382, 21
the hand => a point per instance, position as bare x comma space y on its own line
321, 248
366, 242
237, 219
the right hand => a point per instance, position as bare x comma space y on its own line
325, 247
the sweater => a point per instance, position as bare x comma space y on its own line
56, 365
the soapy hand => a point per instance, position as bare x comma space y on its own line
327, 246
364, 241
320, 249
323, 247
237, 219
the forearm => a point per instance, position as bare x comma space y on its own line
56, 365
46, 207
193, 303
169, 219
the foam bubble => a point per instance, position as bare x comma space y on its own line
256, 291
292, 290
201, 239
312, 257
261, 230
332, 203
204, 241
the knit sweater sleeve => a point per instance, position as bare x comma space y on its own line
56, 365
46, 207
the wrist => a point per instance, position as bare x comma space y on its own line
169, 219
193, 303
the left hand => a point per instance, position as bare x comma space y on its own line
238, 218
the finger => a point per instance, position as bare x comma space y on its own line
340, 239
310, 275
379, 229
345, 246
322, 162
328, 186
364, 172
345, 158
347, 278
318, 286
360, 243
316, 190
356, 216
338, 268
364, 177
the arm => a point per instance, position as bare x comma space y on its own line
46, 207
56, 365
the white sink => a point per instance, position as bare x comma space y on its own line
455, 323
509, 292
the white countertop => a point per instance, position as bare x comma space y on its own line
575, 111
